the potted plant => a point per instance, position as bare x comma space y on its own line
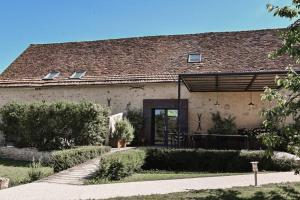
123, 134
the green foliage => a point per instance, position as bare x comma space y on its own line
135, 116
18, 171
282, 191
121, 164
12, 123
281, 118
224, 126
291, 36
64, 159
117, 166
123, 130
212, 160
35, 171
59, 125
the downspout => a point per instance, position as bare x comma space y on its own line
178, 111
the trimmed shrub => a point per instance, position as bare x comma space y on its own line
118, 165
135, 116
52, 126
212, 160
12, 125
64, 159
124, 131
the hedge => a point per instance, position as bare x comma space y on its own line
64, 159
52, 126
212, 160
118, 165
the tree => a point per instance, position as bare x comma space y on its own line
291, 35
282, 120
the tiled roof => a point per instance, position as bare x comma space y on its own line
146, 59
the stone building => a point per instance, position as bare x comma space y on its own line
223, 71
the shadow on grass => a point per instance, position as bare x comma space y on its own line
13, 163
287, 191
278, 193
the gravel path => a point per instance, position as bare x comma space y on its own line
57, 191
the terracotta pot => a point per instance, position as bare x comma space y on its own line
118, 143
4, 183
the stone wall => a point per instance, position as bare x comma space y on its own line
25, 154
121, 97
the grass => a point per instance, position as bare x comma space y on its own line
288, 191
17, 171
151, 175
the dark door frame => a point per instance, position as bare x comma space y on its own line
150, 104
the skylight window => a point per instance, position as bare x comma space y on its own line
78, 74
194, 58
52, 75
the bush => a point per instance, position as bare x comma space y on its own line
12, 123
224, 126
35, 171
121, 164
212, 160
124, 131
49, 126
135, 116
64, 159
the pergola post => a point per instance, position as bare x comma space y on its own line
178, 110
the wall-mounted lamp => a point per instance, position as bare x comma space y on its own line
251, 104
217, 101
108, 102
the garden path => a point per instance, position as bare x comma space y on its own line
56, 191
78, 174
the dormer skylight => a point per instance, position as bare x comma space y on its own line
78, 74
52, 75
194, 58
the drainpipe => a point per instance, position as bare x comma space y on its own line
178, 110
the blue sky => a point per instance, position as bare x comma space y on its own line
47, 21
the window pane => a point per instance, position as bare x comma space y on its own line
51, 75
172, 113
194, 58
78, 75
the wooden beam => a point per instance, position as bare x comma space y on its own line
251, 82
217, 82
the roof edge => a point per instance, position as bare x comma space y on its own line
154, 36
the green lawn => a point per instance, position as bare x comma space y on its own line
289, 191
17, 171
160, 175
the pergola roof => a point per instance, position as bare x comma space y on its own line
230, 81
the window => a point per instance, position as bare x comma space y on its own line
78, 74
52, 75
194, 58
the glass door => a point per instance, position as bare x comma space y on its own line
164, 126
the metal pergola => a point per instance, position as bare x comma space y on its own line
226, 82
